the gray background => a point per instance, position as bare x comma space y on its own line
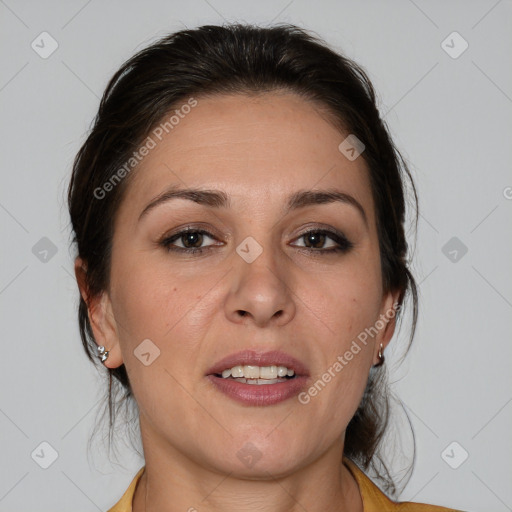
450, 117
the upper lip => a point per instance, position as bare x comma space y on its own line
255, 358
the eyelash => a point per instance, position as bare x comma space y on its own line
344, 245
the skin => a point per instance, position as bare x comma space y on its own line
259, 150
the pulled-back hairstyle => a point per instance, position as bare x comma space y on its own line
243, 59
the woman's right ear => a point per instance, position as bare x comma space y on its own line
101, 317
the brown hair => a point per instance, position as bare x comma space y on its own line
243, 59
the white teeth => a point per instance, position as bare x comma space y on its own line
282, 371
236, 371
251, 372
260, 381
268, 373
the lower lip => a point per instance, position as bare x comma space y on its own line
259, 394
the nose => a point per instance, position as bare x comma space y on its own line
261, 291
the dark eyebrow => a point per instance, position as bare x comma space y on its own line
303, 198
211, 198
219, 199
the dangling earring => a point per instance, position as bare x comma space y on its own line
381, 356
102, 353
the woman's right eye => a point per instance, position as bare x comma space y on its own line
187, 236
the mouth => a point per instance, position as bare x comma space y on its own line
255, 378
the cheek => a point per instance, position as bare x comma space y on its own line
345, 304
153, 300
152, 306
171, 309
346, 307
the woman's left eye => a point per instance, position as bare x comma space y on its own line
192, 240
319, 237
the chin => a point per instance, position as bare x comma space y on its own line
260, 456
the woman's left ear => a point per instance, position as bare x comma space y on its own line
387, 322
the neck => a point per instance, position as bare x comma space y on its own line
173, 482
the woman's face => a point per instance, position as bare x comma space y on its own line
261, 284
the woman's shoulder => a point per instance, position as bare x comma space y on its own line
374, 500
125, 503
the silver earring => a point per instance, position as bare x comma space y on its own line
381, 356
102, 353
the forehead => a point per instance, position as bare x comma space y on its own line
263, 147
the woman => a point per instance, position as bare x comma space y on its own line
238, 210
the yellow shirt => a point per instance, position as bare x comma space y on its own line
374, 500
